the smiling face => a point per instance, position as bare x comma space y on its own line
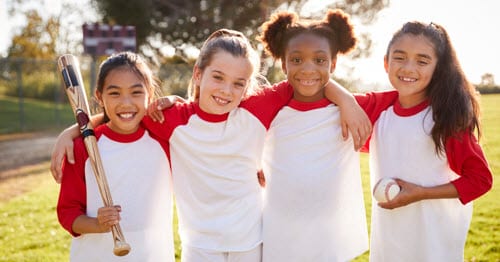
308, 64
410, 64
125, 99
223, 82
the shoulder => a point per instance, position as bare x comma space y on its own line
389, 96
268, 94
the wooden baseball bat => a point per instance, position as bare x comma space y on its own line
72, 79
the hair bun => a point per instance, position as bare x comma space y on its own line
340, 22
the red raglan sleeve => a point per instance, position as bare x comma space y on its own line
374, 103
73, 193
267, 102
174, 116
466, 158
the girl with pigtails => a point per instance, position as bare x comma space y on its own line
313, 201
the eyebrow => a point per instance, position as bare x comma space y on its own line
316, 51
397, 51
222, 73
136, 85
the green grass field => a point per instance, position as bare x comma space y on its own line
29, 230
38, 115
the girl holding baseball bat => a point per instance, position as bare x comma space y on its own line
426, 141
215, 148
137, 171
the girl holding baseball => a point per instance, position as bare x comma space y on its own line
137, 171
426, 141
313, 203
216, 141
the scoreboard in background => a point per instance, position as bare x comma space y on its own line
99, 39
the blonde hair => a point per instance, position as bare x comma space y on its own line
236, 44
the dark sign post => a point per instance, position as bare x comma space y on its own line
104, 40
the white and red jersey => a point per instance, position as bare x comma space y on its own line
427, 230
138, 174
314, 208
215, 159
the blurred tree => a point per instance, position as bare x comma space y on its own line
36, 40
184, 23
487, 79
52, 31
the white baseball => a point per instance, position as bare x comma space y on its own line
385, 190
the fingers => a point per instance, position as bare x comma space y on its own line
356, 138
345, 131
261, 178
158, 115
56, 162
69, 154
108, 216
154, 110
53, 168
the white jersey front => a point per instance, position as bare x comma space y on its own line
138, 175
428, 230
215, 160
313, 204
215, 181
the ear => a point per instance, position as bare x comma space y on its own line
197, 75
98, 96
386, 64
333, 65
283, 65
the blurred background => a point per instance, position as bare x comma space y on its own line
34, 107
33, 33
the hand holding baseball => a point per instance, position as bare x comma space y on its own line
408, 194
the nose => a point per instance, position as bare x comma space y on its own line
126, 100
225, 88
308, 67
409, 66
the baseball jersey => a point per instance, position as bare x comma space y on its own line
215, 159
314, 208
138, 174
427, 230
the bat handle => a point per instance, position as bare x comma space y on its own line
121, 247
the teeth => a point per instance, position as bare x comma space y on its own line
308, 82
126, 115
408, 79
220, 100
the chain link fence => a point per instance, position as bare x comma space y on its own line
32, 98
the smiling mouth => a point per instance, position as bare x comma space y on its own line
126, 115
221, 101
407, 79
308, 82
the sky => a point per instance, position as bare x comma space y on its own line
471, 26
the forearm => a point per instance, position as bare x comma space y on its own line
338, 94
411, 193
85, 224
443, 191
353, 117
